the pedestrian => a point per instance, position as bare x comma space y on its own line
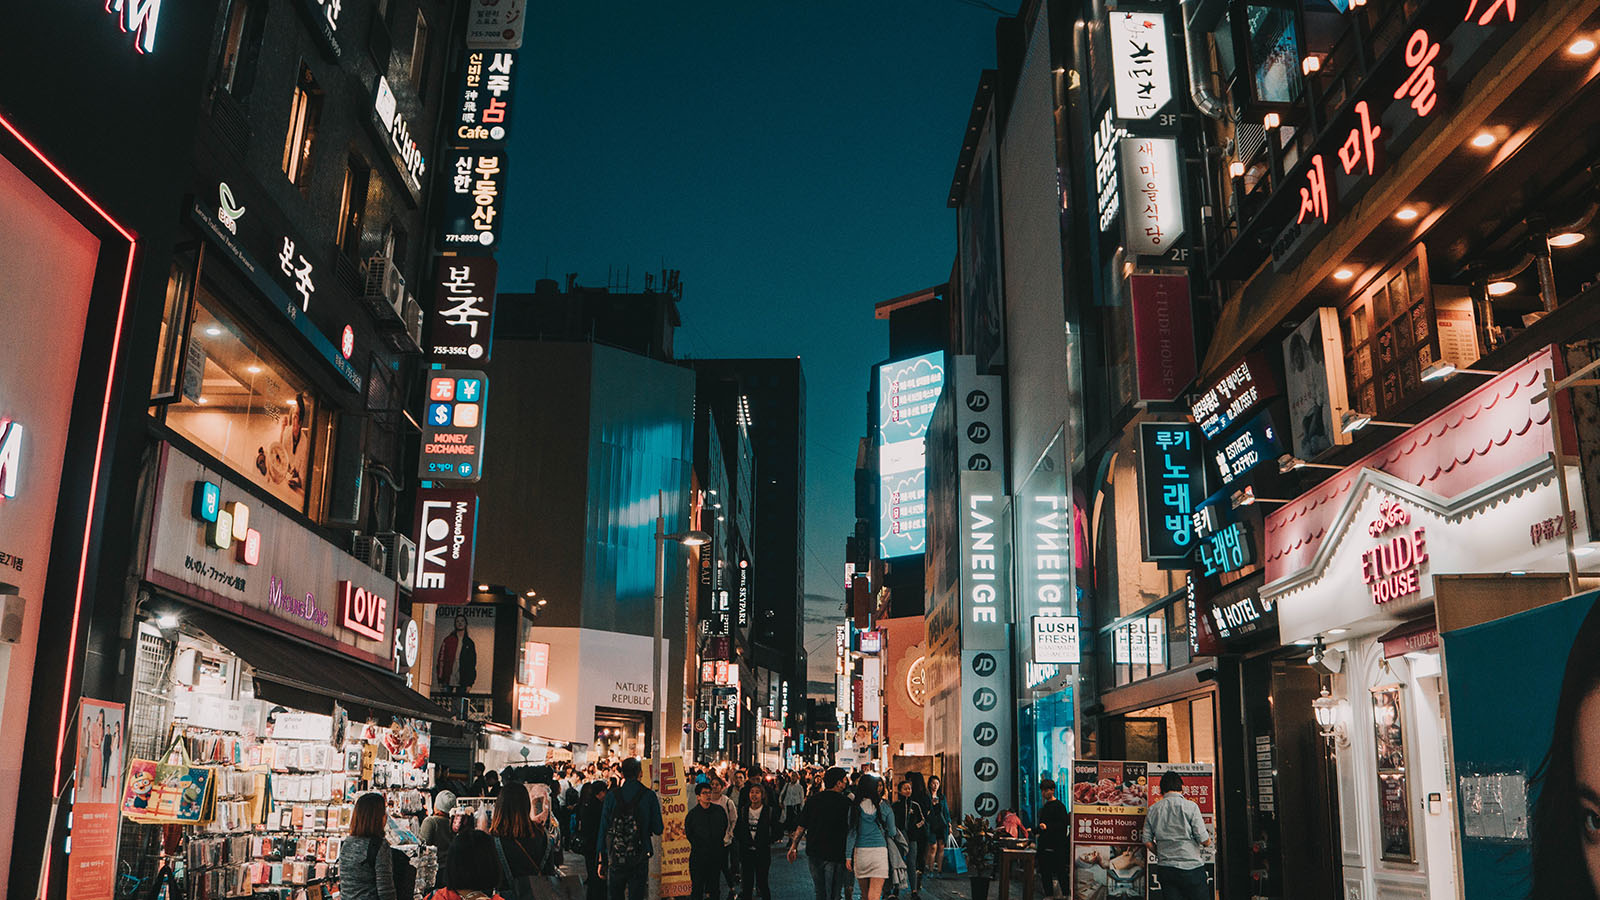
1010, 824
793, 797
912, 822
590, 801
629, 818
366, 867
479, 782
867, 840
938, 824
706, 827
1055, 838
470, 871
730, 858
520, 844
491, 784
435, 829
1174, 832
755, 831
825, 818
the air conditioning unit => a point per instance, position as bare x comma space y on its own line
370, 550
411, 317
386, 287
402, 558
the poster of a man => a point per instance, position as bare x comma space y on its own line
456, 664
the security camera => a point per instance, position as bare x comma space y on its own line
1325, 661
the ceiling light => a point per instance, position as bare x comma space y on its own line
1236, 169
542, 602
167, 621
214, 331
253, 370
1304, 642
530, 594
1581, 47
483, 587
1406, 214
1483, 140
1566, 239
202, 400
1337, 631
1344, 275
292, 401
1501, 288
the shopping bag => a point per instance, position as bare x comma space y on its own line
955, 860
171, 790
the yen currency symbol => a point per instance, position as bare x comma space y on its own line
984, 665
986, 804
986, 769
978, 401
985, 699
985, 734
978, 433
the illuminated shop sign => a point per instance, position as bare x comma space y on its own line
985, 593
1228, 549
227, 525
1152, 192
363, 611
1107, 198
1163, 335
496, 24
1250, 446
293, 605
908, 390
871, 642
483, 102
461, 323
323, 17
452, 427
744, 593
1140, 71
138, 18
1235, 394
10, 457
474, 197
1243, 616
447, 522
1055, 640
1172, 484
1393, 569
841, 649
404, 153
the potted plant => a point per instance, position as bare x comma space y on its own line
983, 853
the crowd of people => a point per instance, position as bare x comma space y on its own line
860, 832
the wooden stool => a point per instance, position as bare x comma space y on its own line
1009, 855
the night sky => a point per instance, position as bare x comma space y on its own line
791, 159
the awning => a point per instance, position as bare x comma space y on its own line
1410, 637
307, 678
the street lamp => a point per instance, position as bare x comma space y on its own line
687, 539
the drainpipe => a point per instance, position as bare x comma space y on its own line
1199, 70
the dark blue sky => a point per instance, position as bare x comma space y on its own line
792, 159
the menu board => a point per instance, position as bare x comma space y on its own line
1390, 336
1109, 799
1394, 807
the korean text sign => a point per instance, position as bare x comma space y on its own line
474, 198
461, 319
1172, 485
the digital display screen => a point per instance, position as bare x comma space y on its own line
908, 390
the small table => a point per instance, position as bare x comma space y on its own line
1027, 857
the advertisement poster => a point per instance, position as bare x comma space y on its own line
91, 863
1394, 810
463, 651
1199, 785
1504, 729
1108, 806
1313, 368
673, 783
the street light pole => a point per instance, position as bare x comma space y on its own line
658, 740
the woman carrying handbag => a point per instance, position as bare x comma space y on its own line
519, 844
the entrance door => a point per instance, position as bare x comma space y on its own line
1307, 780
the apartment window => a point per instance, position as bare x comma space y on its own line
304, 111
419, 56
245, 406
241, 42
353, 206
174, 313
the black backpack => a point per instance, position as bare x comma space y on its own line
624, 846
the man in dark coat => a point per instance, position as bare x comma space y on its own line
706, 826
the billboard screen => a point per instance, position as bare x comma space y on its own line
907, 393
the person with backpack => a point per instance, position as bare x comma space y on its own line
629, 819
366, 861
705, 827
519, 843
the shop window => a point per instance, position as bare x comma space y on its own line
305, 109
244, 406
419, 56
1274, 55
241, 43
1390, 335
353, 206
169, 341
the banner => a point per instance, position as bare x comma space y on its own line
1109, 800
673, 785
1199, 785
91, 864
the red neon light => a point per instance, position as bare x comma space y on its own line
1488, 14
1314, 196
1420, 53
1361, 144
99, 454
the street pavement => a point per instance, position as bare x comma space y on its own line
792, 881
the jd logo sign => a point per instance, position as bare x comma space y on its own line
986, 804
977, 401
986, 769
984, 665
985, 699
985, 734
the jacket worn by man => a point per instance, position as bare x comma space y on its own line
705, 827
646, 807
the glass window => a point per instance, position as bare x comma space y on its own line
353, 207
240, 40
304, 110
174, 310
419, 56
244, 406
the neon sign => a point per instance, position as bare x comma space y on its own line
1393, 569
138, 18
363, 611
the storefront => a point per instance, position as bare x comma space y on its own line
267, 655
595, 694
1448, 519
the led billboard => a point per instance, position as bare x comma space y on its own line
908, 390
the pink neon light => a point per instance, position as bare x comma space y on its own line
99, 454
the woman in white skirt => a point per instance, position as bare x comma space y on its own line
867, 845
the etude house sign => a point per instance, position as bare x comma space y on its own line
1393, 569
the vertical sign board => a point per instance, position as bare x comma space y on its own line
674, 785
1152, 194
1141, 73
987, 731
483, 99
452, 427
979, 425
1172, 483
496, 24
461, 320
447, 522
474, 198
1109, 800
908, 390
985, 563
1163, 335
405, 154
1313, 366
